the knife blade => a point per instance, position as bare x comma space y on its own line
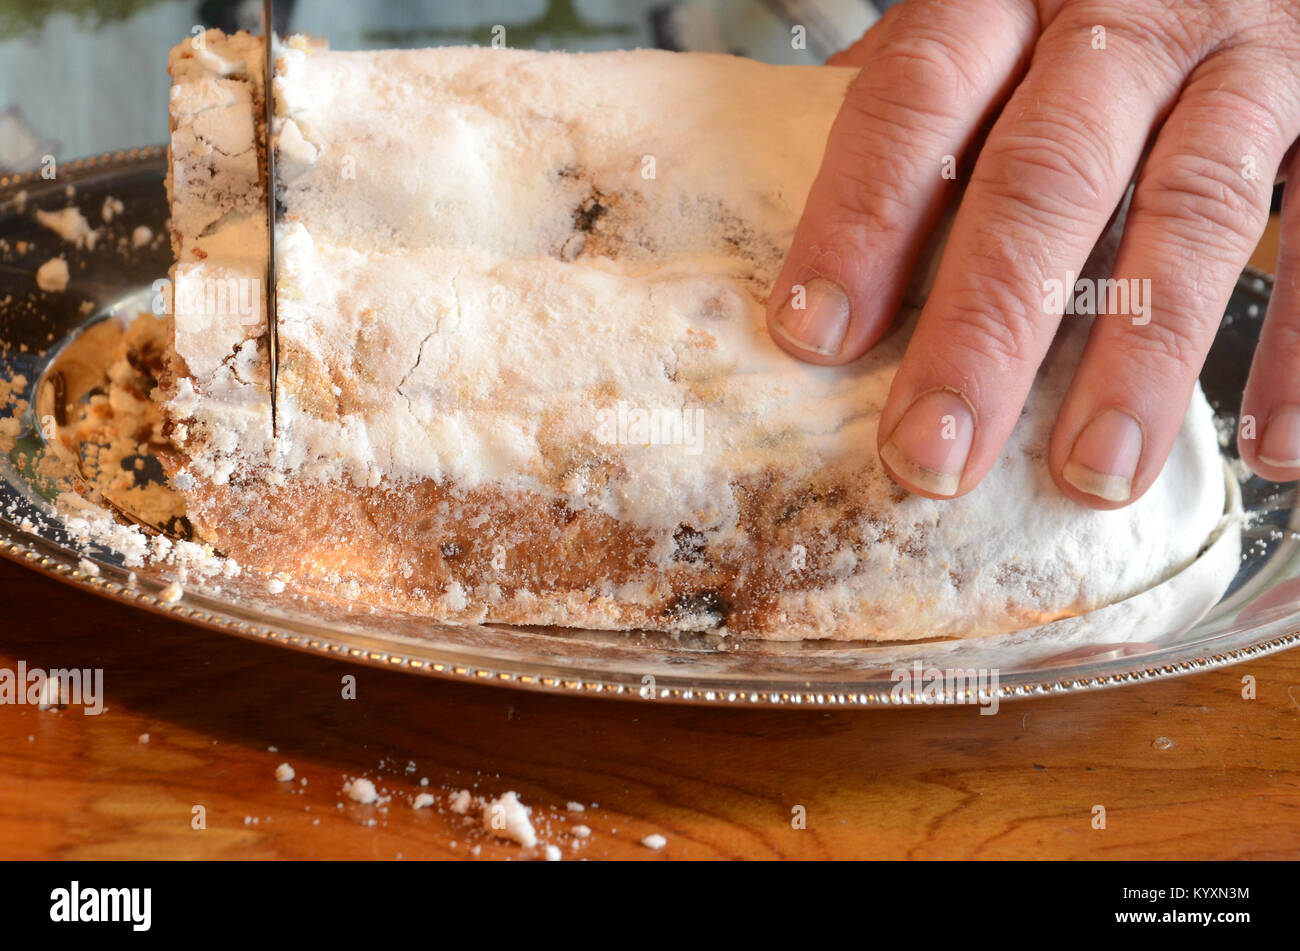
272, 325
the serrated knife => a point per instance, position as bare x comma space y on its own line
272, 326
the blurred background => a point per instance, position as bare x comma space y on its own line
81, 77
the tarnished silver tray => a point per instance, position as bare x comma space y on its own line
1241, 599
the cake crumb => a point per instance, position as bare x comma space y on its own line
553, 853
171, 594
275, 586
460, 802
507, 818
422, 801
49, 696
87, 567
582, 832
70, 225
143, 739
52, 276
576, 807
655, 841
284, 773
141, 236
361, 790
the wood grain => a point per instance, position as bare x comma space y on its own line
1185, 768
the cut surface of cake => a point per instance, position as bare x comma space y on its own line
525, 375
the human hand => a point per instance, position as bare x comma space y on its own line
1077, 89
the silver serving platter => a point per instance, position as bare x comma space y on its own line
1240, 600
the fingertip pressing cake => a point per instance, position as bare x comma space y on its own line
525, 375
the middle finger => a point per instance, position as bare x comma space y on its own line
1056, 164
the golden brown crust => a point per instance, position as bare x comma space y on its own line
524, 558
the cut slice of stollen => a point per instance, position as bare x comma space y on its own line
525, 373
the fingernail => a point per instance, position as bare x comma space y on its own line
1280, 445
929, 446
1105, 456
815, 317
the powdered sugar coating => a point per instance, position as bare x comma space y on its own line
482, 278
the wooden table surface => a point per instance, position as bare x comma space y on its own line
1184, 768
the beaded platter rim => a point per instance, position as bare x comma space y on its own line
339, 648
